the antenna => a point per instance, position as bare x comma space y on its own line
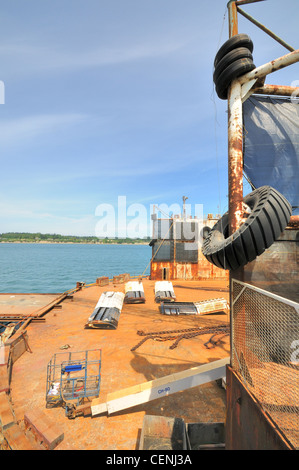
184, 207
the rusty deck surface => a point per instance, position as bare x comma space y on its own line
24, 304
121, 368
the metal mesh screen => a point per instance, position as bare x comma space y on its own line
163, 251
186, 252
186, 230
163, 228
265, 353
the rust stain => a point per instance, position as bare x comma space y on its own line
280, 90
187, 271
294, 221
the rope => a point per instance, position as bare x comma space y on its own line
157, 249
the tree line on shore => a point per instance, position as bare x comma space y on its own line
24, 237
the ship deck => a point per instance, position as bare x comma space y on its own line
63, 329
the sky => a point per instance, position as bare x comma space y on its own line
113, 100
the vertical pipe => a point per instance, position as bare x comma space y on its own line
235, 174
235, 156
232, 18
235, 137
235, 153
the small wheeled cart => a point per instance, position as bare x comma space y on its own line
72, 377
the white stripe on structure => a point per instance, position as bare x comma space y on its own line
163, 286
162, 387
134, 286
212, 305
111, 300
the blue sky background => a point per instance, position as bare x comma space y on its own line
108, 98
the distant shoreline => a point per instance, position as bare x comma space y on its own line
44, 242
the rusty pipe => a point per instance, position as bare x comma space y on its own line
246, 2
235, 156
266, 30
270, 67
235, 138
232, 18
279, 90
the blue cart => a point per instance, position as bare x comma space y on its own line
72, 377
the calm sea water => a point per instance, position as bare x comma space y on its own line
51, 268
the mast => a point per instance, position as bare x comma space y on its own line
239, 90
184, 207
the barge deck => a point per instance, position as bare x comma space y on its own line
63, 329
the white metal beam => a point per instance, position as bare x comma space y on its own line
162, 387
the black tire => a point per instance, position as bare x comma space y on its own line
269, 216
229, 58
234, 70
239, 40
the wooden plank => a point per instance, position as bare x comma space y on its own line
161, 387
4, 354
4, 382
7, 418
44, 428
18, 344
17, 440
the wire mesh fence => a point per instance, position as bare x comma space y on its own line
265, 353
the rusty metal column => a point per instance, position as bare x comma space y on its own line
235, 187
232, 18
235, 156
235, 138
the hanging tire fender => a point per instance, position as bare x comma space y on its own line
229, 58
234, 70
269, 214
239, 40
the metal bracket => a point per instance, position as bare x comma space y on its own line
247, 89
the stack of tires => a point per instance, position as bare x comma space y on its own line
233, 59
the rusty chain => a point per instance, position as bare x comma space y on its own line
187, 333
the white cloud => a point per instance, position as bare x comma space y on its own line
16, 131
112, 55
28, 218
45, 58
